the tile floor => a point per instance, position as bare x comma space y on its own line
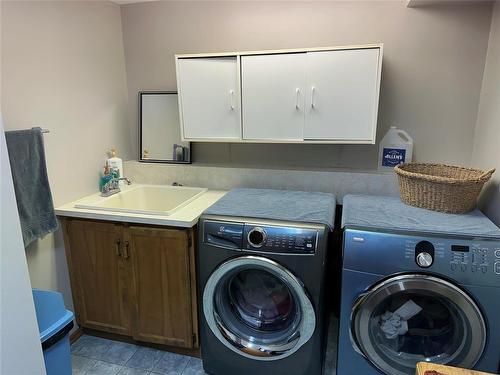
97, 356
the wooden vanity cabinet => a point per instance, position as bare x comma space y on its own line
100, 276
133, 280
162, 278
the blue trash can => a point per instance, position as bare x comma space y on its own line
54, 324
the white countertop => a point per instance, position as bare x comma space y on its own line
186, 216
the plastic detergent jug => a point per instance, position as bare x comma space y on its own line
395, 148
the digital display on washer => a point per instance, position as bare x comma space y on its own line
460, 248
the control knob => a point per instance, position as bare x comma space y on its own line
424, 260
257, 237
424, 254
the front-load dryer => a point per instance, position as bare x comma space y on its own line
417, 286
261, 284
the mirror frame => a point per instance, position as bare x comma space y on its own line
141, 159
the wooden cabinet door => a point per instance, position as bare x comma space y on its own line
100, 275
342, 95
272, 88
209, 98
164, 297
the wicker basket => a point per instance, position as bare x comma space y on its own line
440, 187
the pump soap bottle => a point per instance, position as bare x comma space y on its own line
115, 163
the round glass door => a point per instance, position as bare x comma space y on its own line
413, 318
259, 300
258, 309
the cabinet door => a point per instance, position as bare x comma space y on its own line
209, 98
100, 275
272, 89
163, 308
342, 95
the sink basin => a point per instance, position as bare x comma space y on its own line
146, 199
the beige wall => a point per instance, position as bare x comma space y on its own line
487, 139
63, 67
433, 65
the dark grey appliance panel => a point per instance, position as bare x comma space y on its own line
468, 260
280, 239
219, 233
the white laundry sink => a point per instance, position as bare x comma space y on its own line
146, 199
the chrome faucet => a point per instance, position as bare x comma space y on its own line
111, 187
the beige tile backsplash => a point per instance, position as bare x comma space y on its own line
225, 178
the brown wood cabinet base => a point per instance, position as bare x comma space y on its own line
135, 281
128, 339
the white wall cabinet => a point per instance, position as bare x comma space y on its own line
272, 89
209, 99
342, 95
322, 95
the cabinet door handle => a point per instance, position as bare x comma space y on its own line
297, 94
231, 93
126, 252
313, 90
117, 249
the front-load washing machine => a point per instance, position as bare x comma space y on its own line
261, 283
417, 286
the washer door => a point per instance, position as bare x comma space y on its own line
412, 318
258, 309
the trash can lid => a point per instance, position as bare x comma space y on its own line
51, 314
55, 328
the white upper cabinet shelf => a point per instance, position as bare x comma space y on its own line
321, 95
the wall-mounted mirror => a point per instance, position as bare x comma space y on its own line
159, 129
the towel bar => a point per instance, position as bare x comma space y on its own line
43, 130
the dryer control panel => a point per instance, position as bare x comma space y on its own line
468, 260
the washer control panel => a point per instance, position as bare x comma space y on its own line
460, 256
278, 239
468, 260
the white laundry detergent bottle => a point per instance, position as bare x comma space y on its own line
116, 163
395, 148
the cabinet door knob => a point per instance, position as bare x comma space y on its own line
297, 94
117, 249
313, 89
126, 252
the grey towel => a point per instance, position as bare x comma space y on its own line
299, 206
380, 212
31, 183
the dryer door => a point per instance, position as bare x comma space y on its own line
258, 309
412, 318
